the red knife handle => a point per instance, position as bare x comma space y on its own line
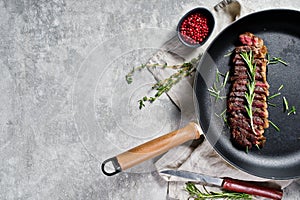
250, 188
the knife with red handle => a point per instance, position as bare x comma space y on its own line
228, 184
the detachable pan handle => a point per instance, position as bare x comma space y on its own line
152, 148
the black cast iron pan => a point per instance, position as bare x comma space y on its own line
280, 158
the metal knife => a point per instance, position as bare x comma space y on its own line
227, 184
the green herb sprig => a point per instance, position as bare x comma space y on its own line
274, 125
217, 91
292, 110
196, 194
163, 86
274, 95
229, 53
286, 108
249, 94
219, 86
276, 60
286, 104
129, 76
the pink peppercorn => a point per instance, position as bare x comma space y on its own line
194, 28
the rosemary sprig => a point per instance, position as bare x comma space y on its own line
229, 53
216, 93
274, 125
249, 94
218, 86
272, 104
274, 95
276, 60
292, 111
218, 73
223, 116
257, 146
286, 104
196, 194
286, 107
225, 79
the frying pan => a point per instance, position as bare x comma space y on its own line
280, 157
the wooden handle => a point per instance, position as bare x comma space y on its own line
158, 146
249, 188
153, 148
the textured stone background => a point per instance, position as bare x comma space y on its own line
65, 106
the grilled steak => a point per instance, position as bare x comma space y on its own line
243, 133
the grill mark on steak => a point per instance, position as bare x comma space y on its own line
260, 112
261, 122
242, 88
240, 126
243, 75
242, 102
242, 94
244, 82
240, 70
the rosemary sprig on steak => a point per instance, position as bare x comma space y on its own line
249, 95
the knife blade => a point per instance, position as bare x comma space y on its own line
227, 184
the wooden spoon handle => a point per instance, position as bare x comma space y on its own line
152, 148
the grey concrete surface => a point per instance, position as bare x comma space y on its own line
65, 105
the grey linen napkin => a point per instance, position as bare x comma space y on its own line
202, 157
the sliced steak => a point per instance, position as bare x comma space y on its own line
243, 133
